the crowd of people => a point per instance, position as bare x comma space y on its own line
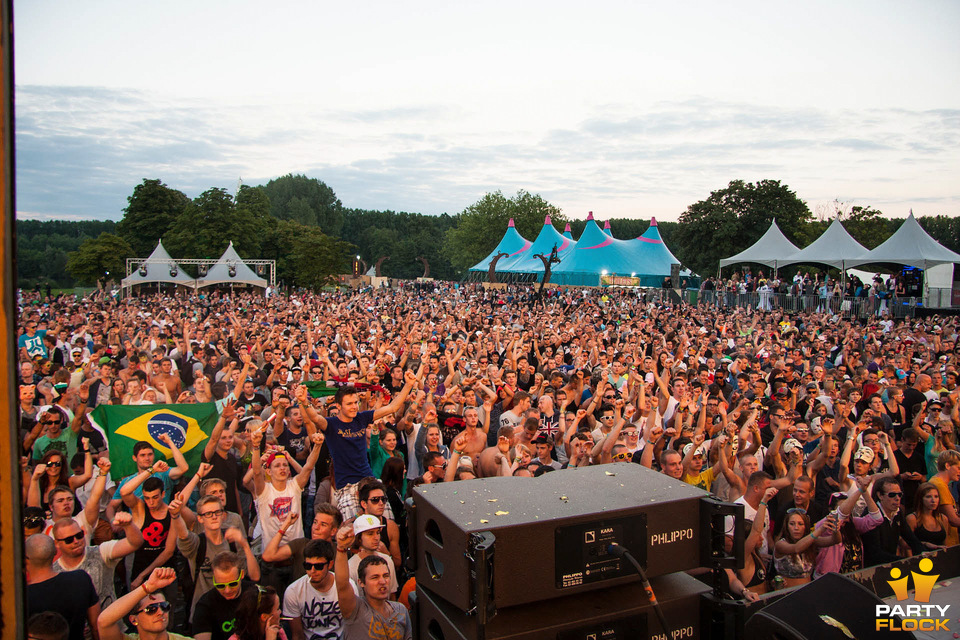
838, 436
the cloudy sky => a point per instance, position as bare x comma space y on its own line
628, 109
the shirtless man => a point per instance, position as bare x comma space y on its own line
475, 439
488, 467
166, 378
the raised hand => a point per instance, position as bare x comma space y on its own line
317, 438
291, 518
160, 578
122, 519
503, 444
345, 536
176, 505
39, 470
160, 466
204, 469
235, 536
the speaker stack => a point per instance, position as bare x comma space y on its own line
525, 558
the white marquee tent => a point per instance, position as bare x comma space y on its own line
769, 250
231, 269
159, 267
835, 247
910, 245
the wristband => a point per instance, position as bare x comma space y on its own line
813, 536
282, 532
763, 503
145, 590
174, 516
343, 549
459, 453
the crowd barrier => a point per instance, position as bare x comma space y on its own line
895, 307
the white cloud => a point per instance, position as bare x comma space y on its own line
81, 151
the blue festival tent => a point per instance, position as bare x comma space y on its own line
548, 239
654, 255
512, 244
596, 253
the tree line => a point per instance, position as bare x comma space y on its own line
300, 223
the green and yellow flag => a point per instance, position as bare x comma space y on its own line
188, 425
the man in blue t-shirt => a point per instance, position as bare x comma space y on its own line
144, 455
346, 437
31, 340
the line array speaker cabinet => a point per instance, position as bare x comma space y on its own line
616, 613
812, 612
503, 542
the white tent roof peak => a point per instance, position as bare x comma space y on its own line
219, 272
158, 267
910, 245
835, 247
769, 250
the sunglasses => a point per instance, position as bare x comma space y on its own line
895, 494
228, 585
151, 609
55, 464
794, 510
316, 566
58, 422
32, 522
379, 499
71, 539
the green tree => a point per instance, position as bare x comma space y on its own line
307, 201
212, 220
943, 229
42, 248
732, 219
151, 211
103, 258
480, 226
867, 226
319, 259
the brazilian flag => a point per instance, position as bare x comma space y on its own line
188, 425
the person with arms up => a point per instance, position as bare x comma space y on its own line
146, 609
145, 458
347, 440
311, 602
371, 615
98, 561
200, 550
326, 521
279, 495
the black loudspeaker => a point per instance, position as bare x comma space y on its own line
508, 541
617, 613
814, 611
675, 275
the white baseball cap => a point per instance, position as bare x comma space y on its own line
365, 523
